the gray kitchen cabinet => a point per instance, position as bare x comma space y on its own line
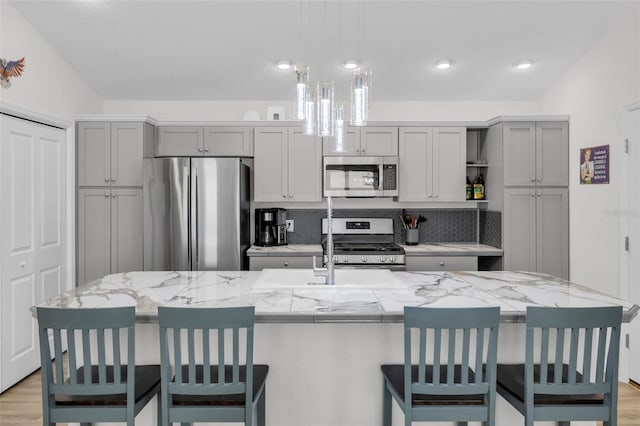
110, 153
536, 153
109, 232
291, 262
441, 263
369, 141
287, 165
180, 141
432, 164
537, 220
196, 141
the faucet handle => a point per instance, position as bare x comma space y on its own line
318, 271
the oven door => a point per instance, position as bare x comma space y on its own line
353, 176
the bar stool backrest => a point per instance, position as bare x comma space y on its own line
107, 328
444, 333
589, 365
201, 324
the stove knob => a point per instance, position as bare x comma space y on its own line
392, 259
345, 259
335, 259
364, 259
383, 259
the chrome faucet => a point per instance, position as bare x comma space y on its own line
328, 271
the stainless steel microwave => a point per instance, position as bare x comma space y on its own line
360, 176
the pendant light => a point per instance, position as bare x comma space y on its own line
360, 83
301, 75
325, 108
309, 125
339, 128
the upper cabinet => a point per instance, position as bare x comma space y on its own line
110, 153
432, 164
536, 153
364, 141
192, 141
287, 165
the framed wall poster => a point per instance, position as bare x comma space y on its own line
594, 165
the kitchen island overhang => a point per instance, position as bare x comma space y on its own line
511, 291
325, 345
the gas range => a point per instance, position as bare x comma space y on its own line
364, 243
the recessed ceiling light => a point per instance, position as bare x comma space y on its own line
523, 64
283, 65
350, 64
443, 64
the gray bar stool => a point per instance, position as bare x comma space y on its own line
108, 387
552, 390
204, 386
445, 390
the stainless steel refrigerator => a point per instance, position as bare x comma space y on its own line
196, 214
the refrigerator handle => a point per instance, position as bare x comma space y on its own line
186, 183
195, 258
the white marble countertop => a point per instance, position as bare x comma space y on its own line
280, 301
451, 249
423, 249
288, 250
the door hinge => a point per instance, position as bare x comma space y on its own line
627, 339
626, 146
626, 243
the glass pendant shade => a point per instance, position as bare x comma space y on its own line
309, 124
339, 128
301, 75
360, 83
325, 108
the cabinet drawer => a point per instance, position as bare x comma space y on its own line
297, 262
442, 263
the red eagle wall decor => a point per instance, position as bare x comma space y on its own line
10, 69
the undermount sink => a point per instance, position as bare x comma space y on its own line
344, 278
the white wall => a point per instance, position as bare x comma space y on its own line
48, 84
593, 92
379, 111
49, 89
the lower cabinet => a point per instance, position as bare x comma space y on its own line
536, 223
293, 262
110, 232
441, 263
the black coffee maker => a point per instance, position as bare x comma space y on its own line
271, 227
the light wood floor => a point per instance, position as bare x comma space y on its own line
21, 405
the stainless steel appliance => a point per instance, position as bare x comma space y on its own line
363, 243
271, 227
196, 214
360, 176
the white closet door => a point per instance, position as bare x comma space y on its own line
633, 168
32, 243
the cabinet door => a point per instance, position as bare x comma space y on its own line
414, 170
94, 153
519, 154
270, 165
378, 141
351, 144
552, 218
126, 154
520, 229
94, 218
305, 167
126, 230
449, 163
180, 141
552, 153
228, 141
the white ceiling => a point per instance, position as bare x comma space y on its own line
225, 50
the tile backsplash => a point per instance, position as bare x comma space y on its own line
441, 225
491, 228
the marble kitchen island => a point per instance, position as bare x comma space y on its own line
324, 344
